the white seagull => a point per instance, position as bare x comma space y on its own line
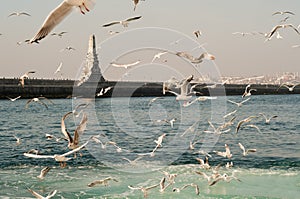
23, 77
38, 196
43, 173
13, 99
196, 60
275, 29
124, 23
290, 87
239, 104
59, 158
283, 13
103, 181
184, 95
248, 91
58, 14
158, 55
267, 120
118, 65
225, 154
246, 152
19, 14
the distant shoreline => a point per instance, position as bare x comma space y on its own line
57, 88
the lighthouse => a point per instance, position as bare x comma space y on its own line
90, 71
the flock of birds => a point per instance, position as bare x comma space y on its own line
275, 30
206, 172
187, 91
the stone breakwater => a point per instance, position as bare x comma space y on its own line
51, 88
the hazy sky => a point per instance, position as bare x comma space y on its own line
216, 19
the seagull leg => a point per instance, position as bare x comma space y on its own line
82, 12
85, 7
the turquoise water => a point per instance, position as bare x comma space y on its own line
272, 172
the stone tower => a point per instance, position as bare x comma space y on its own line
91, 71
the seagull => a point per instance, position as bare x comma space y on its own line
239, 104
23, 77
197, 33
204, 165
50, 137
59, 158
143, 189
196, 60
248, 91
275, 29
246, 120
229, 114
283, 13
158, 55
290, 87
284, 20
59, 34
225, 154
241, 33
154, 99
124, 23
267, 120
254, 126
104, 90
69, 48
132, 162
58, 70
18, 140
170, 177
38, 100
192, 185
19, 14
73, 141
125, 65
13, 99
38, 196
224, 177
183, 90
58, 14
135, 3
43, 173
245, 152
103, 181
169, 83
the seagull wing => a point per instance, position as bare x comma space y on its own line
242, 147
51, 194
80, 129
54, 18
36, 194
31, 155
63, 128
133, 18
75, 150
111, 23
25, 13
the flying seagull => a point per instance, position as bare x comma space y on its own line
103, 181
19, 14
124, 23
267, 120
118, 65
197, 33
247, 91
135, 3
283, 13
275, 29
246, 152
38, 196
24, 76
290, 87
43, 173
196, 60
58, 14
13, 99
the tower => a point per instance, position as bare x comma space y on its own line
91, 72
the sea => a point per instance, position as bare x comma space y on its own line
125, 128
